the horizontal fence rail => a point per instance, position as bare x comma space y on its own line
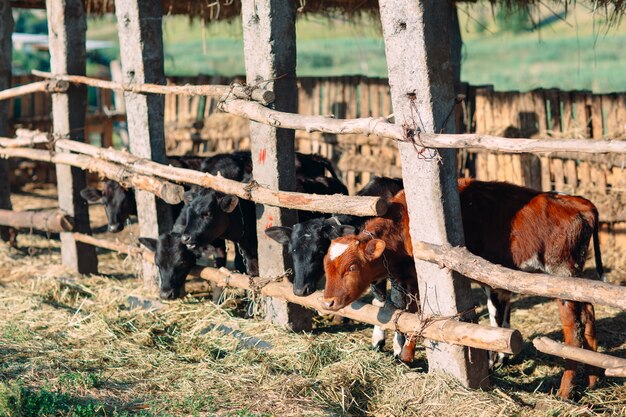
443, 329
168, 192
341, 204
364, 126
614, 366
132, 171
545, 285
53, 220
244, 92
381, 127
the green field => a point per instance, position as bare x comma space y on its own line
578, 52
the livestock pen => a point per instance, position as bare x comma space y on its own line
439, 322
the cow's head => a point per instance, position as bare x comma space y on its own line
351, 265
208, 217
307, 243
119, 203
174, 262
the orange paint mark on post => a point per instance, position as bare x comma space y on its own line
262, 155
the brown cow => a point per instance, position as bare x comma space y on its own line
506, 224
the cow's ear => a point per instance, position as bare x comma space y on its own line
188, 195
338, 230
228, 203
374, 249
91, 194
280, 234
149, 243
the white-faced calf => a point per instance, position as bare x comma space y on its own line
307, 242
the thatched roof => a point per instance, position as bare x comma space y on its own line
225, 9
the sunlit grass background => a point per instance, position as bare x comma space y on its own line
577, 50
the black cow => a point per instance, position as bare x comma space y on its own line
308, 241
174, 260
119, 202
211, 214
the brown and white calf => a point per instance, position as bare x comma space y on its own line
506, 224
383, 249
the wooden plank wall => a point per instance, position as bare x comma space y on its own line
195, 127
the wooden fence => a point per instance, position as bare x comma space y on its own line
110, 162
194, 126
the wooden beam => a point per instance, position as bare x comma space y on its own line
139, 25
36, 87
474, 267
269, 35
25, 139
418, 55
619, 372
381, 127
436, 328
341, 204
67, 27
600, 360
53, 220
250, 92
6, 59
165, 190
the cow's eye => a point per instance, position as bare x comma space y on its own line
352, 268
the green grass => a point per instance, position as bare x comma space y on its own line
16, 400
577, 52
524, 63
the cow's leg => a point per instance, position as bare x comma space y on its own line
378, 334
219, 255
404, 296
588, 318
379, 290
499, 307
570, 320
397, 298
239, 262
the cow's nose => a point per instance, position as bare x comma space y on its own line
167, 294
328, 303
185, 238
299, 291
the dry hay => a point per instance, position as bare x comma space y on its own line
229, 9
80, 337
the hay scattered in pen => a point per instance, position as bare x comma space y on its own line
77, 336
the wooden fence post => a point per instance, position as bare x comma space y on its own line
6, 58
420, 78
141, 37
269, 35
67, 27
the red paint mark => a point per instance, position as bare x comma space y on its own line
262, 155
268, 224
270, 218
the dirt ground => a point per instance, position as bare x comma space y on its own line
74, 345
